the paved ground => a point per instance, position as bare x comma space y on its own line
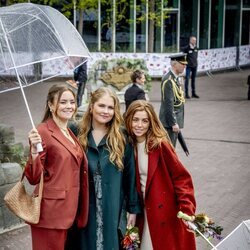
217, 132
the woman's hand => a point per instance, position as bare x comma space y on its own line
34, 139
131, 220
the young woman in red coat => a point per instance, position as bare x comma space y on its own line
164, 184
64, 166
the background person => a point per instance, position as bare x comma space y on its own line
64, 165
172, 98
135, 92
165, 186
192, 54
80, 76
111, 173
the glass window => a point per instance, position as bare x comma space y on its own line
170, 33
204, 21
245, 38
232, 24
90, 29
170, 3
106, 26
124, 26
188, 21
216, 23
246, 3
140, 27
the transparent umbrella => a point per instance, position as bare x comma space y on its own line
36, 43
238, 239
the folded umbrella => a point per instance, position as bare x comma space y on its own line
183, 143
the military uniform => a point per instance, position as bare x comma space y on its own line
172, 104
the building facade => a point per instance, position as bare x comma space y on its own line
215, 23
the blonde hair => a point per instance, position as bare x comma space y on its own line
156, 133
115, 137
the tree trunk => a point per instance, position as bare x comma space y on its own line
151, 27
80, 24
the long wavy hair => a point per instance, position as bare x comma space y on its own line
156, 133
54, 95
115, 137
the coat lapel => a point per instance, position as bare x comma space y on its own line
153, 158
58, 135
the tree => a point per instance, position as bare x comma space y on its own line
120, 7
154, 17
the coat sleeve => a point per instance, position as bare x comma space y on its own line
129, 182
181, 180
141, 95
169, 117
34, 168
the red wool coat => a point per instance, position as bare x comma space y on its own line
65, 179
169, 189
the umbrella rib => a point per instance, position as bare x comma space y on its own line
229, 234
58, 36
21, 26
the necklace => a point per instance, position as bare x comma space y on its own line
65, 131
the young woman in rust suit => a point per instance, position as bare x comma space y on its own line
64, 164
164, 184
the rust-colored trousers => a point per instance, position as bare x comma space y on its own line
48, 239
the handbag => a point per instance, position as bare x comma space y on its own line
25, 206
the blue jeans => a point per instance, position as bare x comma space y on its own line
193, 71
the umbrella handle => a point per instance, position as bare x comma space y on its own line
39, 147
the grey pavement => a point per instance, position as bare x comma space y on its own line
217, 133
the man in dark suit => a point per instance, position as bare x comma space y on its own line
80, 76
135, 92
192, 56
172, 98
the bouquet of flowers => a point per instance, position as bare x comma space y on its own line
203, 224
131, 239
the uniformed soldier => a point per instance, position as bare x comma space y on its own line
172, 97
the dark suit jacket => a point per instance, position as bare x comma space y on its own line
65, 170
133, 93
170, 110
80, 73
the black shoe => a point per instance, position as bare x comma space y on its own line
195, 96
187, 97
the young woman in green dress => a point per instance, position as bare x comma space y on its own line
112, 190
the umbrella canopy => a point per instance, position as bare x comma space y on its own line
31, 38
238, 239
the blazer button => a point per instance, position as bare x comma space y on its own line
85, 172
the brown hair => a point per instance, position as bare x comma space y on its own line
54, 95
115, 138
136, 74
156, 132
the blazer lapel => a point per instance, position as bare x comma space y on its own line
58, 135
153, 158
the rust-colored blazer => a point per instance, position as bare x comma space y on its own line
169, 189
65, 193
